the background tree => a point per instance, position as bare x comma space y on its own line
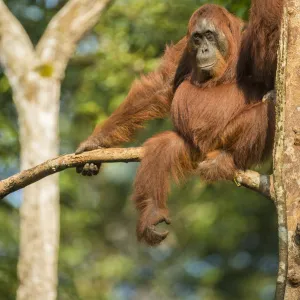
35, 75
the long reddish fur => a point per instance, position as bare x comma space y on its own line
149, 98
258, 54
167, 156
220, 125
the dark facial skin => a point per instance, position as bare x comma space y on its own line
208, 47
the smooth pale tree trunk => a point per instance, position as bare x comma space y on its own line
35, 76
39, 238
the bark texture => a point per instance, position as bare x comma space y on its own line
287, 154
279, 187
291, 150
35, 76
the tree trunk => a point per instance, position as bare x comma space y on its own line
287, 153
35, 76
39, 239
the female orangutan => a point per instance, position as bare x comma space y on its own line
219, 125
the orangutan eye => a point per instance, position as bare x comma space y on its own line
210, 36
197, 37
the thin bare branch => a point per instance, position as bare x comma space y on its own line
70, 24
16, 49
250, 179
61, 163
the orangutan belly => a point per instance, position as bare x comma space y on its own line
201, 114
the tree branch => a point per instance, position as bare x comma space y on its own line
70, 24
250, 179
262, 184
16, 49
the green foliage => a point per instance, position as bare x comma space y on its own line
222, 242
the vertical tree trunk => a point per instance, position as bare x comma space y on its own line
38, 108
39, 239
35, 76
287, 151
279, 187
